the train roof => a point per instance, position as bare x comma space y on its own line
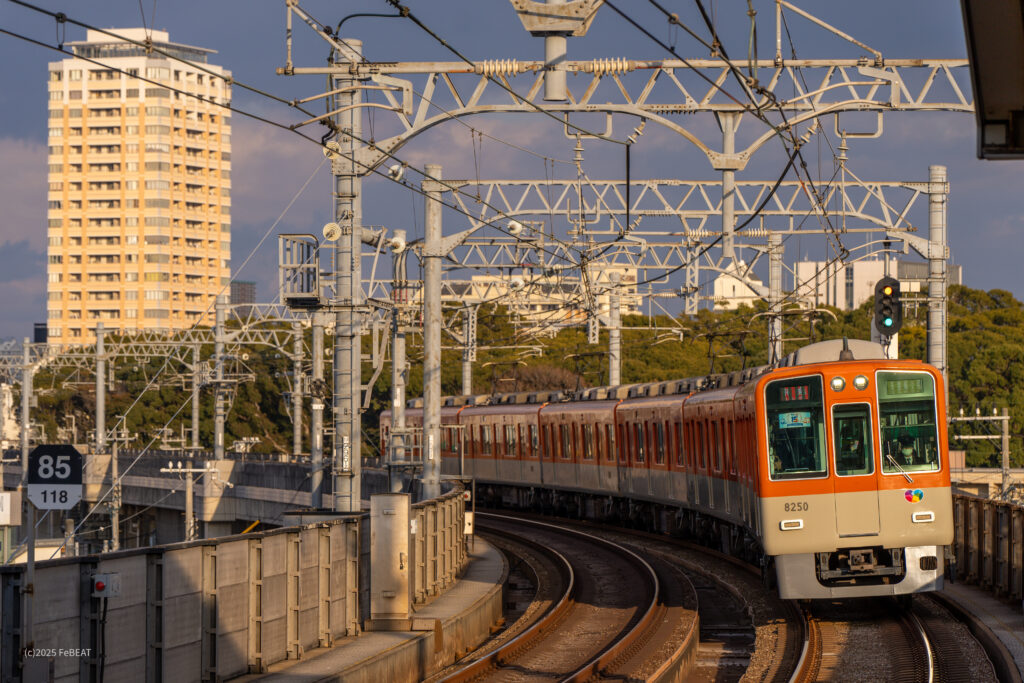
819, 352
829, 351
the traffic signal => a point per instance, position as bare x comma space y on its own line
888, 308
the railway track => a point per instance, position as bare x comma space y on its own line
613, 613
747, 634
885, 640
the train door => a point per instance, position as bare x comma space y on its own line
856, 488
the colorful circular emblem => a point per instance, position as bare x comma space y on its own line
914, 496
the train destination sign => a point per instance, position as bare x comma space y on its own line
55, 477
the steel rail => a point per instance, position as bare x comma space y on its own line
536, 630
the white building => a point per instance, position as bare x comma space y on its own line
731, 290
847, 286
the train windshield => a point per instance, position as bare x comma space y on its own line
795, 409
851, 429
907, 421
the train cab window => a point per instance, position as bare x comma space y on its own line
907, 419
851, 433
795, 412
510, 441
588, 442
659, 453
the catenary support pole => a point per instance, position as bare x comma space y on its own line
614, 334
432, 333
29, 510
296, 391
397, 446
115, 499
316, 420
937, 193
197, 383
348, 289
101, 390
728, 121
468, 349
220, 400
775, 297
554, 64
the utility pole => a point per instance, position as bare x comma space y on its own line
187, 470
219, 406
101, 391
347, 283
296, 392
432, 248
316, 420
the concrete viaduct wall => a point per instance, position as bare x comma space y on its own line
222, 607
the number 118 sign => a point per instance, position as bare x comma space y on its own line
55, 477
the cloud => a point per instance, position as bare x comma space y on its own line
23, 192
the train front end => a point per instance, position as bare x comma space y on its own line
855, 495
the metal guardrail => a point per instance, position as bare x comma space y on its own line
440, 547
988, 545
220, 607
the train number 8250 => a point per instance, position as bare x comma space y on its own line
796, 506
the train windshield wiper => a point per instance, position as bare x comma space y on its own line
897, 466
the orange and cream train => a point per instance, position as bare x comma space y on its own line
830, 470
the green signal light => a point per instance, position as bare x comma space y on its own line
887, 322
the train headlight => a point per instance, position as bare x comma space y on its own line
860, 382
838, 384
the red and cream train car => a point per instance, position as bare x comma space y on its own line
830, 470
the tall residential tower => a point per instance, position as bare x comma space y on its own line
139, 219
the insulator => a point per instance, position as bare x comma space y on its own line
495, 67
602, 67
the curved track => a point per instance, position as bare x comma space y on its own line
611, 612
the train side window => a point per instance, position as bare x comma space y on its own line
730, 447
564, 442
680, 457
588, 441
485, 439
534, 441
510, 441
659, 454
795, 422
609, 443
640, 442
549, 442
702, 446
851, 434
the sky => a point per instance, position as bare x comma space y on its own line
271, 165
